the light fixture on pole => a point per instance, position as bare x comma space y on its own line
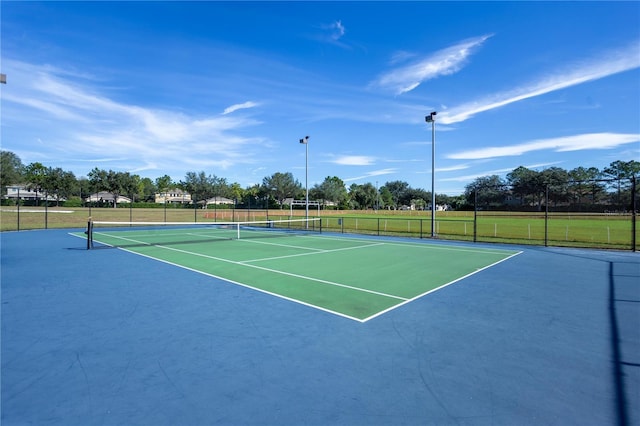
305, 141
431, 118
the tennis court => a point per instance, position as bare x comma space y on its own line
135, 335
354, 278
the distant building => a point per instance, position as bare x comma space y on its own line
173, 196
15, 192
106, 197
216, 201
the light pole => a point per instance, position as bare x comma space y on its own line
431, 118
305, 142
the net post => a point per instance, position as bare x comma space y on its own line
89, 233
238, 229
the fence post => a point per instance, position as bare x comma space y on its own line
46, 210
475, 215
546, 215
633, 213
18, 210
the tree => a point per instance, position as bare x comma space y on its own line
281, 186
115, 183
362, 196
398, 191
556, 182
622, 172
331, 189
251, 195
386, 198
353, 197
163, 184
220, 187
11, 170
36, 176
147, 189
419, 198
236, 191
583, 183
489, 191
59, 183
132, 186
526, 184
622, 169
198, 185
84, 186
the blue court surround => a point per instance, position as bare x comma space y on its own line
105, 337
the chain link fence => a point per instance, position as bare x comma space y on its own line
593, 214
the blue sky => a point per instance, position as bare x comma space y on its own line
157, 88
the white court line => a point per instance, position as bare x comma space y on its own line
403, 302
391, 308
364, 290
422, 245
318, 251
279, 245
281, 296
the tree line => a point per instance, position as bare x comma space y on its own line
523, 186
611, 186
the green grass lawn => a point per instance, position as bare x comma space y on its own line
563, 229
582, 230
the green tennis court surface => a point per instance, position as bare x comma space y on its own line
354, 278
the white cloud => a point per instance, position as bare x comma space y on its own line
443, 62
613, 62
561, 144
245, 105
371, 174
333, 32
499, 172
354, 160
452, 168
83, 125
338, 30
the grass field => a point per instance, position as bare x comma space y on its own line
563, 229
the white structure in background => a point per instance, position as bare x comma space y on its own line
291, 202
20, 191
217, 201
173, 196
106, 197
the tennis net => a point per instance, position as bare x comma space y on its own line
130, 234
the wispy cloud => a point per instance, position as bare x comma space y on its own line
562, 144
335, 30
613, 62
371, 174
452, 168
331, 33
236, 107
443, 62
499, 172
354, 160
84, 125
